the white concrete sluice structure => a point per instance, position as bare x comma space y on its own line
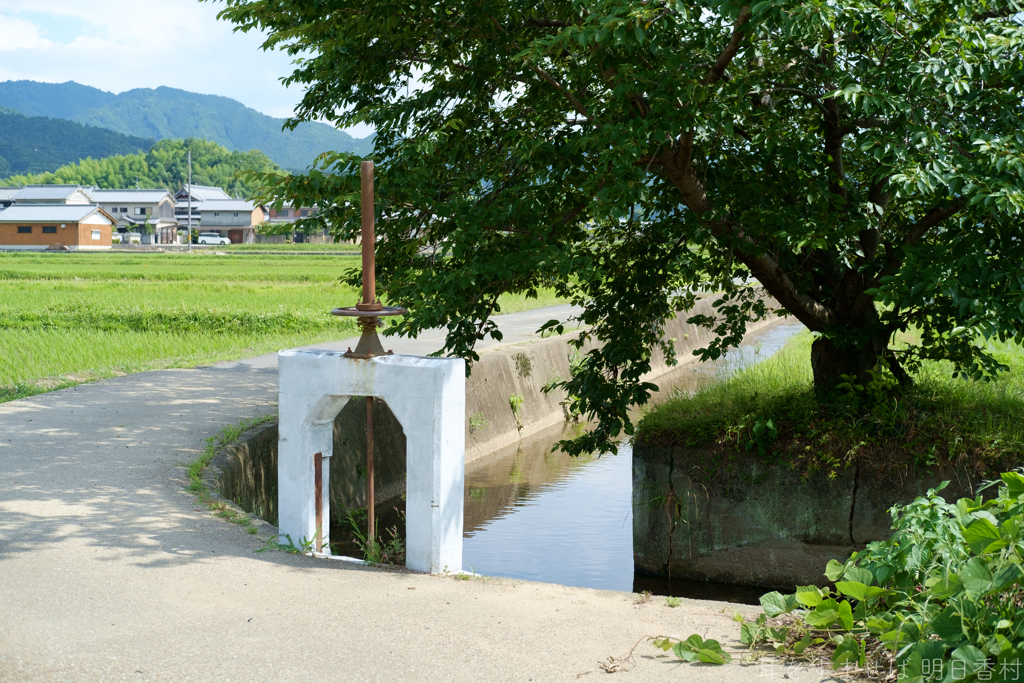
426, 395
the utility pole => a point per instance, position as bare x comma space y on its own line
189, 237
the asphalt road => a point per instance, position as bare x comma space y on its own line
111, 571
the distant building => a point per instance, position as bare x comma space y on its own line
52, 194
289, 214
235, 219
200, 193
37, 226
132, 209
213, 210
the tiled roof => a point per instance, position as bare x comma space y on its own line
47, 213
56, 193
9, 192
206, 192
128, 196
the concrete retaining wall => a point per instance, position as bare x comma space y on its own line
737, 519
523, 369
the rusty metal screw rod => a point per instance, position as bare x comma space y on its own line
318, 487
370, 523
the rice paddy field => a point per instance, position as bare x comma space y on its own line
68, 318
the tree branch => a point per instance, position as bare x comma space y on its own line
768, 272
930, 220
722, 63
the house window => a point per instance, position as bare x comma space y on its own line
304, 213
139, 211
216, 214
95, 234
284, 213
24, 229
49, 229
235, 214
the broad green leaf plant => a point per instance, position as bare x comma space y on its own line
941, 600
859, 160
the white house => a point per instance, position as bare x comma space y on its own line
132, 209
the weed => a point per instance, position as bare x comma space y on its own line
644, 598
515, 401
380, 552
252, 530
671, 601
195, 469
477, 421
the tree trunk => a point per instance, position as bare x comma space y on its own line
829, 362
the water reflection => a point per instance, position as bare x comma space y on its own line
533, 514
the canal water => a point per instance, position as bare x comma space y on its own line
534, 514
531, 513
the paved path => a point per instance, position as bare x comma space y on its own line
110, 571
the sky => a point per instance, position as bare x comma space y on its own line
118, 45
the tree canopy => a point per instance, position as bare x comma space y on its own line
861, 161
164, 165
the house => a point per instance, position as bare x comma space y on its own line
133, 209
235, 219
38, 226
199, 193
51, 194
289, 214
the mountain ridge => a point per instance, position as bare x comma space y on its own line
37, 144
165, 113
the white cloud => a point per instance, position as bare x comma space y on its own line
119, 45
21, 35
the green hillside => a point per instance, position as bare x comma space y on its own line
35, 144
164, 165
171, 113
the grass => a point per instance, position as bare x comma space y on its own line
72, 318
772, 408
195, 469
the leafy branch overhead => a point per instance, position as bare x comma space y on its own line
861, 161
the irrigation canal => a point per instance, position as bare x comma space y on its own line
534, 514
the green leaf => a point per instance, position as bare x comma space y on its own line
808, 596
846, 615
860, 574
976, 577
965, 661
853, 589
847, 650
980, 534
775, 603
1014, 483
834, 570
948, 625
824, 615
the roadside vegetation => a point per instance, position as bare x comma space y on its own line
72, 318
772, 408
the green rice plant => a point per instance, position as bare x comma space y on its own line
76, 317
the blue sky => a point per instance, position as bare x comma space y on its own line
117, 45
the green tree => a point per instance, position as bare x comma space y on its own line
858, 159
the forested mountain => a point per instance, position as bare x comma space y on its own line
164, 165
34, 144
172, 113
